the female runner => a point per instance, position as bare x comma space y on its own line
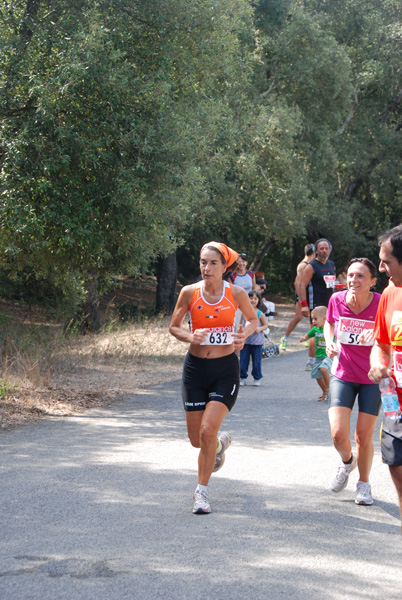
351, 315
211, 367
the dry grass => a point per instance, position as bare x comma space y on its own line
45, 372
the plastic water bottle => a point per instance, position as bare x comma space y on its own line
389, 398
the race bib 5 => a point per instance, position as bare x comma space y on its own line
349, 330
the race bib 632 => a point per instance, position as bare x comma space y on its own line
219, 336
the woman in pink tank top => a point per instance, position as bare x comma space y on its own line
350, 317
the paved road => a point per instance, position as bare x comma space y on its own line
99, 506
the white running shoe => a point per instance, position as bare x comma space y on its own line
242, 382
225, 440
363, 493
340, 481
257, 382
201, 503
309, 366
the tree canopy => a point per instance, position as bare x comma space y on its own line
131, 129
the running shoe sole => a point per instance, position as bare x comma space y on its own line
201, 511
363, 503
219, 460
226, 440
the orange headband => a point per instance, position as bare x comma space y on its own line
228, 254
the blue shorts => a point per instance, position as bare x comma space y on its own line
323, 362
343, 393
206, 379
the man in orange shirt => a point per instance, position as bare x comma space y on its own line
388, 348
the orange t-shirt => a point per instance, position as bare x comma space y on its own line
388, 329
218, 318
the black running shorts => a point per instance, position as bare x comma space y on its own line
344, 393
391, 442
206, 379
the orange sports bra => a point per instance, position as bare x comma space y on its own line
219, 318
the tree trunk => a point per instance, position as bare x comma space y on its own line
261, 253
90, 315
31, 12
166, 291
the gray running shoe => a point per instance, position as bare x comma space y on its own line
201, 503
226, 440
340, 481
309, 366
363, 493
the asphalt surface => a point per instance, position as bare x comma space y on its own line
99, 506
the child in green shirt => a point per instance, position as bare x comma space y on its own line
322, 364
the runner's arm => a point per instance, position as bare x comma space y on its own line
380, 359
176, 323
305, 278
298, 277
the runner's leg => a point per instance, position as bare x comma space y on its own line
202, 428
194, 420
295, 321
364, 445
396, 474
339, 420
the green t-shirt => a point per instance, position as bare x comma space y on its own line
320, 345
